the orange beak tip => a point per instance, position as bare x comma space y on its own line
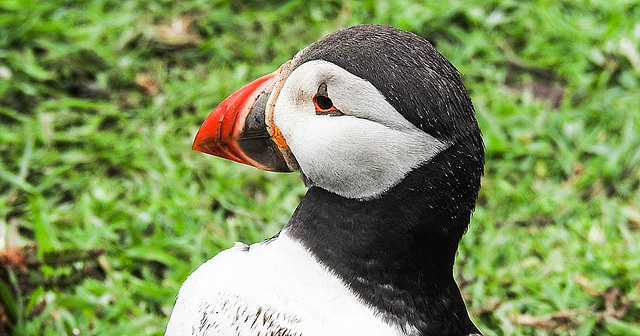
225, 132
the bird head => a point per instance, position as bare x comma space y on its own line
355, 112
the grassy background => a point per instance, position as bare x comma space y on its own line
100, 100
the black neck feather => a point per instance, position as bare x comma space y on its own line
397, 251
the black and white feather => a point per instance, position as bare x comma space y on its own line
393, 178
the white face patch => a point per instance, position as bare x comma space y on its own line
360, 154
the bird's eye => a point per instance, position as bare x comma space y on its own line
323, 104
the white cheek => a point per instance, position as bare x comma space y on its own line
357, 158
359, 155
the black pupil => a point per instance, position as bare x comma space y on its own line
324, 102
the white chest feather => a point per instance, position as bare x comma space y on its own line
277, 288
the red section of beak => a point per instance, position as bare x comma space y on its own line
228, 133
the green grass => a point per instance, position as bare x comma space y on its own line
99, 103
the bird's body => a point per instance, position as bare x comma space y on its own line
271, 288
384, 134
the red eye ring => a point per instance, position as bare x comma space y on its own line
324, 105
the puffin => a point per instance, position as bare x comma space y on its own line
383, 133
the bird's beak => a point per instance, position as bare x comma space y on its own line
241, 128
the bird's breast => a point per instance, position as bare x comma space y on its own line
271, 288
